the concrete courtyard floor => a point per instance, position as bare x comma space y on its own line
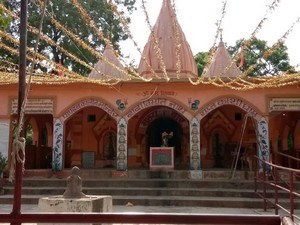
162, 209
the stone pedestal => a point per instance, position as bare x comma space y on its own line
196, 174
90, 203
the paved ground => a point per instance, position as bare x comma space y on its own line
158, 209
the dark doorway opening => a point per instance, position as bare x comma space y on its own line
155, 130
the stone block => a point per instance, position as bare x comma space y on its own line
196, 174
58, 204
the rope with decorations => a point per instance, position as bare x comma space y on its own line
246, 43
130, 36
91, 23
156, 44
237, 83
86, 47
177, 41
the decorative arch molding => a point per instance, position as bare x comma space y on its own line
155, 113
96, 102
229, 100
180, 108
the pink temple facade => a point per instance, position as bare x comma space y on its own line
98, 127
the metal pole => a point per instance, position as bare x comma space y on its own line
21, 95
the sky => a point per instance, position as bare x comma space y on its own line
198, 18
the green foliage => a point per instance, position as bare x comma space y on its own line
3, 162
29, 135
290, 142
260, 63
4, 20
201, 59
255, 58
67, 15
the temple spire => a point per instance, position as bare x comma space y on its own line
104, 71
173, 46
222, 64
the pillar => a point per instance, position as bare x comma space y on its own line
58, 140
4, 136
195, 169
122, 145
263, 141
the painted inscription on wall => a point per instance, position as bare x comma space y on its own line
150, 117
284, 104
157, 93
34, 106
90, 102
228, 101
155, 102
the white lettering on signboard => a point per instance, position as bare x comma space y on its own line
35, 106
284, 104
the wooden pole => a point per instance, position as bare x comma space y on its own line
21, 95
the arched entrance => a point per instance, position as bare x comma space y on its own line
90, 139
148, 126
221, 134
38, 134
154, 133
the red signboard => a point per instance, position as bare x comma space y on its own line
161, 157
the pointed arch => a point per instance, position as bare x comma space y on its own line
96, 102
177, 106
230, 100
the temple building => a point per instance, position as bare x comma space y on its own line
94, 126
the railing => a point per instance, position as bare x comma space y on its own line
289, 158
149, 218
280, 180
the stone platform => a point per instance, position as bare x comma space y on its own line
59, 204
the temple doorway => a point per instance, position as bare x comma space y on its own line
168, 125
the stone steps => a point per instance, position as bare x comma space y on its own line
114, 191
214, 191
182, 201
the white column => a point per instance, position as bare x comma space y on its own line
4, 136
263, 141
122, 145
58, 140
195, 168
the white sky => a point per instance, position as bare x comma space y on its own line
198, 18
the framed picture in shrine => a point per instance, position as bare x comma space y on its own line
161, 158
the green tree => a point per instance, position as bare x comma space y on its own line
4, 20
201, 59
261, 60
256, 61
66, 14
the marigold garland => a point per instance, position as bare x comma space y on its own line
238, 83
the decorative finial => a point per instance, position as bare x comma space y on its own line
221, 34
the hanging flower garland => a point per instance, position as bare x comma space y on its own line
130, 36
82, 43
238, 83
156, 44
91, 23
177, 41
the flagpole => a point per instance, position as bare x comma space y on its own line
21, 95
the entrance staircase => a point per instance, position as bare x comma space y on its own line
146, 188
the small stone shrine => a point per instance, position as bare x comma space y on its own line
74, 200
